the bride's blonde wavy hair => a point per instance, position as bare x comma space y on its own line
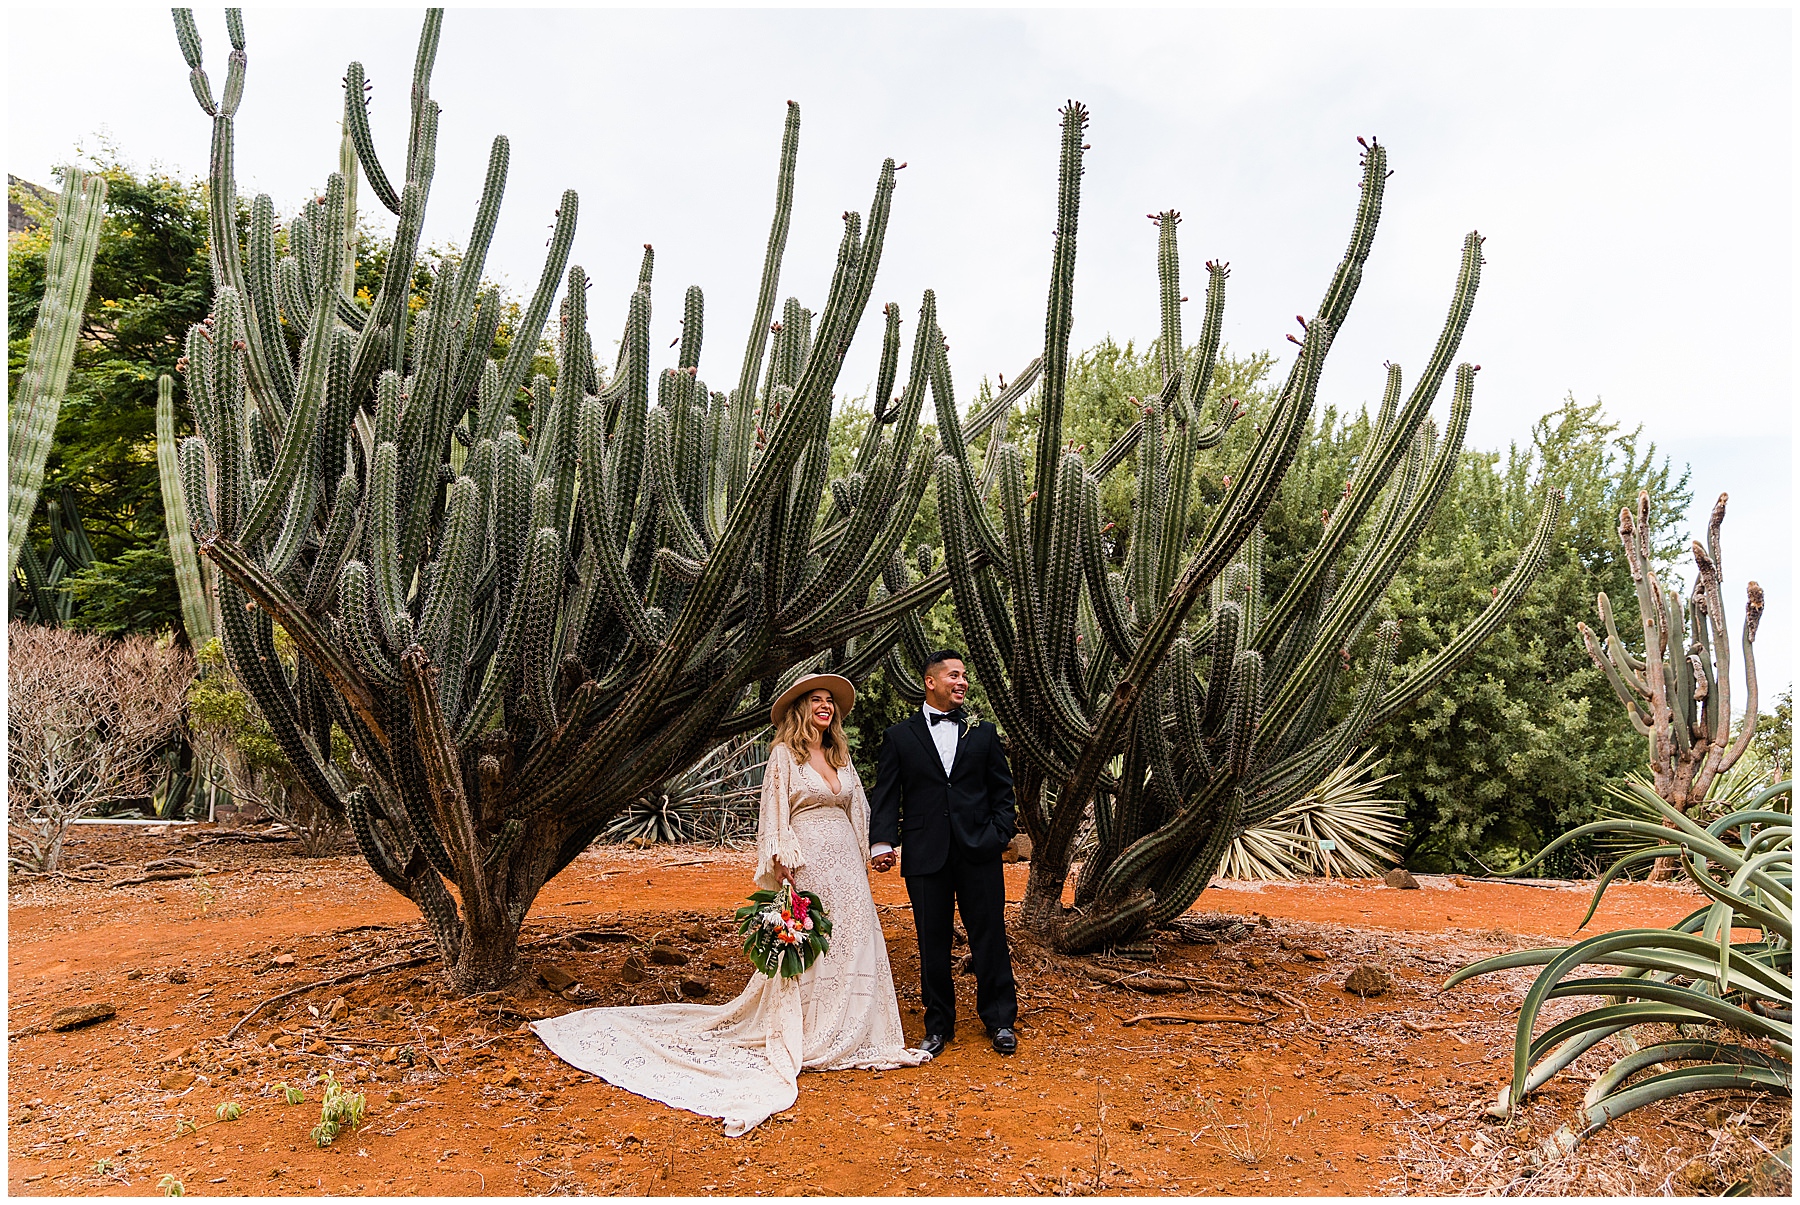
798, 732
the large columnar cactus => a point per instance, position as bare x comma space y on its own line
1678, 690
519, 632
1173, 698
31, 423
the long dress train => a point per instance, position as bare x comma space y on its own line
739, 1061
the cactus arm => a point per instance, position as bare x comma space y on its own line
1372, 475
356, 128
68, 270
1117, 451
854, 586
1107, 615
261, 276
1049, 695
1355, 599
1531, 562
309, 635
299, 441
743, 399
1197, 378
195, 617
1753, 609
1002, 405
1627, 658
1058, 319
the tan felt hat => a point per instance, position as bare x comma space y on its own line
840, 687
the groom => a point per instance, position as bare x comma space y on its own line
944, 793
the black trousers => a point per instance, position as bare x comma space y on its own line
980, 891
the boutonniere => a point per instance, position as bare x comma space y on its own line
970, 719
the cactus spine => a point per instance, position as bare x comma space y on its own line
1677, 691
68, 268
1193, 709
520, 632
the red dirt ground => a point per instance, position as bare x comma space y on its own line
1341, 1096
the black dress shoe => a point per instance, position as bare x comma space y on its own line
934, 1044
1004, 1041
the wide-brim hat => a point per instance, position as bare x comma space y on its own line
840, 687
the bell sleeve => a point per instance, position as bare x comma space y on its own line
859, 811
775, 839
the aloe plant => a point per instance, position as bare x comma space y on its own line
521, 631
1728, 1001
31, 420
1171, 700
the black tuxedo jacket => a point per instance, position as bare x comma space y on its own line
920, 809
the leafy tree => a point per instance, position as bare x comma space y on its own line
1773, 742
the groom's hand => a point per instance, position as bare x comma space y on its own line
884, 862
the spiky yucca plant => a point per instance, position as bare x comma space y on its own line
714, 799
1341, 828
521, 631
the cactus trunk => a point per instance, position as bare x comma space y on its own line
519, 631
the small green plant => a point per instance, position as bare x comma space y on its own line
203, 891
102, 1167
184, 1127
293, 1096
341, 1111
169, 1186
229, 1111
407, 1055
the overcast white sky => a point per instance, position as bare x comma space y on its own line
1632, 171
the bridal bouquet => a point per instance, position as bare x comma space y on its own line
784, 931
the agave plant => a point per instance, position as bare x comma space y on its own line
712, 800
1729, 1002
1339, 828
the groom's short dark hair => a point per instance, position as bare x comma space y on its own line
938, 658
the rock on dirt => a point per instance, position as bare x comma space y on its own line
1401, 878
667, 956
1368, 980
555, 978
66, 1019
695, 986
1019, 850
632, 970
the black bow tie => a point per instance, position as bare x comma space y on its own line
947, 717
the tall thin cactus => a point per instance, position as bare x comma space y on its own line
521, 631
1170, 698
31, 423
192, 576
1677, 691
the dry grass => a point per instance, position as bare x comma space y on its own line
1535, 1156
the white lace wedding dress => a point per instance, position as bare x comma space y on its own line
739, 1061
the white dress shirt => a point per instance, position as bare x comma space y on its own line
944, 736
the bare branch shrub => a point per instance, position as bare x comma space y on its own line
86, 716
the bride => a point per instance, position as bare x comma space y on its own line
738, 1061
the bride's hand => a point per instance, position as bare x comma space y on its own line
787, 876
